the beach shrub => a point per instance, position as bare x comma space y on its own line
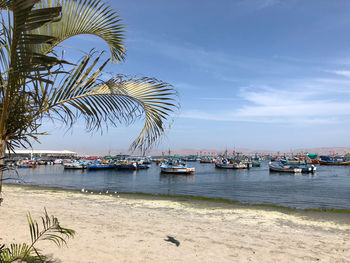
51, 230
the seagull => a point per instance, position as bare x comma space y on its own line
172, 240
83, 190
107, 192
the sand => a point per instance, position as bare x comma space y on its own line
135, 229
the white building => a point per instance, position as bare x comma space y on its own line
41, 154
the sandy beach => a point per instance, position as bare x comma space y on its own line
131, 228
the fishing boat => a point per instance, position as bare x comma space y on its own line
230, 165
26, 164
32, 165
142, 166
100, 166
175, 167
190, 158
292, 167
147, 160
58, 161
206, 160
126, 166
328, 160
75, 165
284, 169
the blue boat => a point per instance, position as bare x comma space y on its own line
100, 166
328, 160
292, 167
126, 166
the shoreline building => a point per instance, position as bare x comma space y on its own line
42, 154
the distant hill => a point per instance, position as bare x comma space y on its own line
207, 151
320, 150
325, 150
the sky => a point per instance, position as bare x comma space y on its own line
253, 74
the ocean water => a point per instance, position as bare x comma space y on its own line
328, 188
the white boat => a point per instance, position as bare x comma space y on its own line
175, 167
74, 165
226, 165
58, 161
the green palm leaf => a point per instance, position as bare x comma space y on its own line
121, 99
5, 4
83, 17
51, 230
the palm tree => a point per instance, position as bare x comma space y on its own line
35, 83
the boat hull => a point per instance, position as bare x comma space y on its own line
230, 166
333, 163
126, 167
181, 170
101, 166
74, 167
281, 169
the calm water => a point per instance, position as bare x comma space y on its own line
328, 188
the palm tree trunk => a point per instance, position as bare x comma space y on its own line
2, 163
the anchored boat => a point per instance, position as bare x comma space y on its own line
74, 165
230, 165
291, 167
175, 167
327, 160
100, 166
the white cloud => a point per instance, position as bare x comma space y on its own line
268, 105
345, 73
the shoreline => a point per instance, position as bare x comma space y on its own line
189, 198
131, 228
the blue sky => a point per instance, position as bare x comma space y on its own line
257, 74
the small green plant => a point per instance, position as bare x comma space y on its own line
51, 231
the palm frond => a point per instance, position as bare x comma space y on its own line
51, 230
120, 100
24, 58
83, 17
17, 252
5, 4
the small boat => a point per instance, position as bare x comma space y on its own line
283, 166
327, 160
126, 166
147, 161
26, 164
190, 159
100, 166
305, 168
142, 166
284, 169
206, 160
58, 161
255, 164
230, 165
74, 165
175, 167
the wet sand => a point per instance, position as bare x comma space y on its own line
132, 228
